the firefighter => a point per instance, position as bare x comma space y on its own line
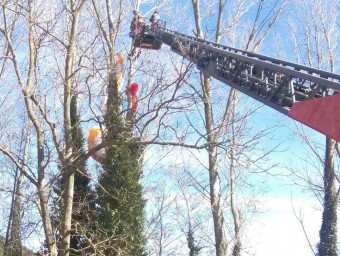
154, 19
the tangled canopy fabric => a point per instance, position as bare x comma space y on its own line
119, 67
94, 139
133, 91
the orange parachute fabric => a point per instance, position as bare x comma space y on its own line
119, 67
133, 91
94, 139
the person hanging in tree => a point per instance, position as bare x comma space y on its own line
137, 24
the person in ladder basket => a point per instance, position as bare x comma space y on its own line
154, 19
137, 24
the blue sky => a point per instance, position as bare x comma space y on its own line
277, 231
278, 220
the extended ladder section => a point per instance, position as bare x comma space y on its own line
276, 83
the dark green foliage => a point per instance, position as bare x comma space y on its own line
25, 251
13, 244
194, 249
121, 215
328, 232
122, 207
236, 250
83, 200
83, 214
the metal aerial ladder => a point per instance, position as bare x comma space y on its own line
308, 95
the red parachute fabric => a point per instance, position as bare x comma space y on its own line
133, 91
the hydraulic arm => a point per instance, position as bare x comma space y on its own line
280, 84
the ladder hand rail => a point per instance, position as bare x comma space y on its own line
315, 81
309, 71
276, 83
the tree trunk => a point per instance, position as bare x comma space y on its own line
50, 240
68, 152
220, 241
233, 204
328, 232
67, 214
221, 246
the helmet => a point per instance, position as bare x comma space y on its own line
135, 11
156, 12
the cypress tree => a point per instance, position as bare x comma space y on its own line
13, 244
83, 200
121, 205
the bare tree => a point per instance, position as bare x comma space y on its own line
221, 243
13, 245
37, 111
317, 47
258, 31
70, 51
27, 88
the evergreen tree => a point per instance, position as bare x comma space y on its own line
328, 232
193, 248
13, 244
83, 200
121, 204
